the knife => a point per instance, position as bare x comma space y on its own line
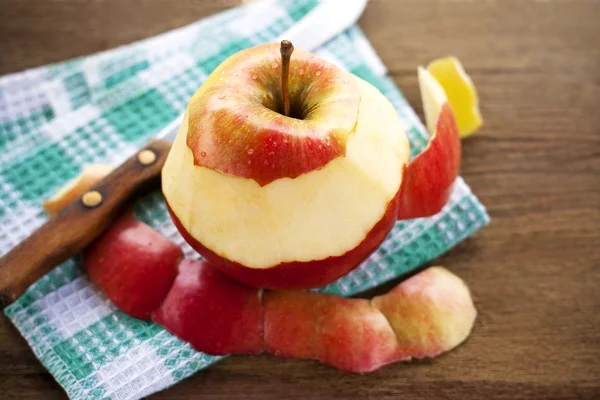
78, 224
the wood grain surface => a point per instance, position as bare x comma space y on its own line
534, 271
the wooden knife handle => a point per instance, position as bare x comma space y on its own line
71, 230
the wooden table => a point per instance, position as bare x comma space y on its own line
534, 271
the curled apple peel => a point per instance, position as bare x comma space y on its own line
428, 179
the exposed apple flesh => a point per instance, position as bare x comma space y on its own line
133, 265
429, 177
297, 275
433, 97
310, 230
212, 312
430, 313
88, 177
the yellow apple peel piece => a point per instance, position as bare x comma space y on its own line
445, 79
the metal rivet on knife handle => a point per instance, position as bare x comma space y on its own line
68, 233
91, 199
146, 157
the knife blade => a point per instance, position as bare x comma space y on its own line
75, 227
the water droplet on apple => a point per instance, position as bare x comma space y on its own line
320, 147
284, 141
236, 74
254, 77
301, 72
219, 141
221, 97
203, 154
337, 76
250, 152
271, 153
227, 81
318, 73
274, 65
346, 81
220, 79
266, 163
249, 161
222, 72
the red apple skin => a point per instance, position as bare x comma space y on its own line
239, 103
428, 179
133, 265
212, 312
289, 323
348, 334
298, 275
354, 336
424, 316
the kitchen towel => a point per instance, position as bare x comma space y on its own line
56, 119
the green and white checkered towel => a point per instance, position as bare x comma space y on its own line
56, 119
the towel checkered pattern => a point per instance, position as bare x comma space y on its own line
56, 119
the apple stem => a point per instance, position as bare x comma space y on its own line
287, 48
